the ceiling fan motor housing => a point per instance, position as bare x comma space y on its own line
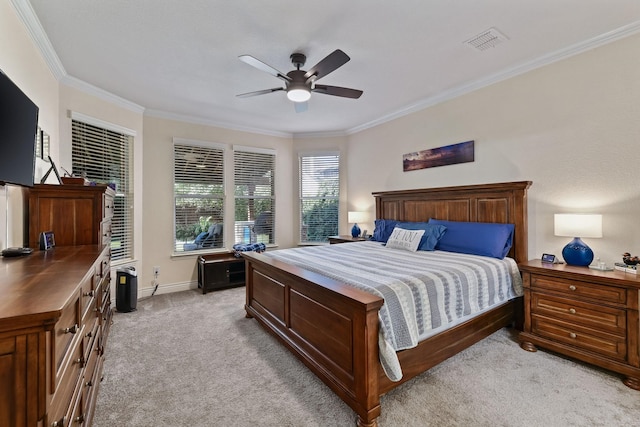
298, 60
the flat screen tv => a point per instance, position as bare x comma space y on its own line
18, 127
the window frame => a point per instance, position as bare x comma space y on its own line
124, 199
302, 198
220, 196
249, 232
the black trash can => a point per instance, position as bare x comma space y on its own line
126, 289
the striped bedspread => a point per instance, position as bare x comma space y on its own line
421, 290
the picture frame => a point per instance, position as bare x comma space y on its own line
52, 168
548, 258
47, 240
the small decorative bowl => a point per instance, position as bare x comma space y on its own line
630, 261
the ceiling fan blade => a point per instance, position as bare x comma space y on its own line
263, 67
301, 107
331, 62
344, 92
259, 92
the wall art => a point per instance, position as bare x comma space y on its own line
462, 152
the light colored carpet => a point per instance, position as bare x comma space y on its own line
187, 359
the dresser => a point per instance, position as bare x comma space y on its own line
55, 316
587, 314
77, 214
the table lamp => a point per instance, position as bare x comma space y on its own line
576, 252
355, 218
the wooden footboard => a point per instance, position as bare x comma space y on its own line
331, 327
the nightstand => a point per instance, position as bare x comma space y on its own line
344, 238
586, 314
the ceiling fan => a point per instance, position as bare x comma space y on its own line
299, 83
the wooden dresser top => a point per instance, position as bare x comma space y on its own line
35, 288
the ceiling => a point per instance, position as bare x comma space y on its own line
179, 59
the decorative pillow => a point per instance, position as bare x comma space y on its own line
476, 238
405, 239
383, 229
432, 233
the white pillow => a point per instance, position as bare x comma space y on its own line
405, 239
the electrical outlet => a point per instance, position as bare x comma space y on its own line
156, 271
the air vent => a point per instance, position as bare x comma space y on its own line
486, 39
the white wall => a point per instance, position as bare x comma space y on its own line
573, 128
22, 62
179, 272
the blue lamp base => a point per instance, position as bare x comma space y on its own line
355, 231
577, 253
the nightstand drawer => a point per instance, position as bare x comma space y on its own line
574, 288
606, 319
611, 346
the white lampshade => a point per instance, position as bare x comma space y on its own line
577, 225
355, 217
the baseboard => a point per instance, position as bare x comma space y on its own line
168, 288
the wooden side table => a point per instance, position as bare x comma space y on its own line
586, 314
220, 271
344, 238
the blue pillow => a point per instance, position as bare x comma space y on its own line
383, 229
431, 236
476, 238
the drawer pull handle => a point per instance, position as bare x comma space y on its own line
89, 383
90, 334
572, 335
88, 294
80, 361
572, 310
572, 288
71, 330
60, 423
80, 419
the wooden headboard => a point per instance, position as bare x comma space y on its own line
500, 202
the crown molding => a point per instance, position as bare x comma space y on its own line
508, 73
208, 122
107, 96
39, 37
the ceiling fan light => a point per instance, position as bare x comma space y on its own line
299, 94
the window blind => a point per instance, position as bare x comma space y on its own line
198, 196
319, 181
105, 156
254, 191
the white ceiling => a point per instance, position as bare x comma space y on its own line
180, 58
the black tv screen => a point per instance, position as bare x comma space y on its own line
18, 127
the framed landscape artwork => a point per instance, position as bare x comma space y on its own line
462, 152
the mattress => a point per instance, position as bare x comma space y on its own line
423, 291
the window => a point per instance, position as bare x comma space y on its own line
254, 190
319, 182
198, 187
103, 153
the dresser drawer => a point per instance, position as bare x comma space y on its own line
107, 205
575, 288
66, 330
105, 232
88, 295
604, 318
67, 378
602, 343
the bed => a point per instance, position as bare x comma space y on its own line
334, 328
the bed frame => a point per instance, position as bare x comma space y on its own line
333, 328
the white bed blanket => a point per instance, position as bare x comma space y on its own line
421, 290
